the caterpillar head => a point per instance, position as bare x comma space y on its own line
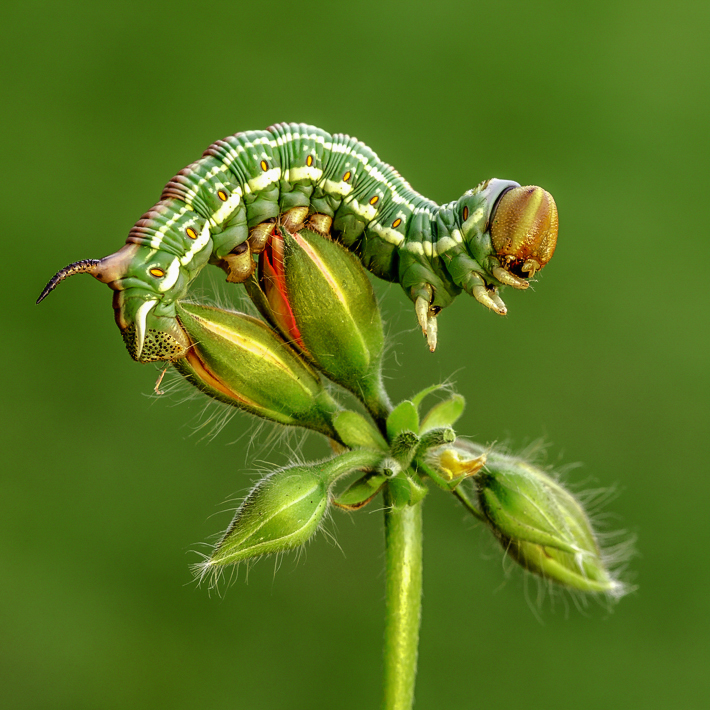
146, 284
510, 232
523, 229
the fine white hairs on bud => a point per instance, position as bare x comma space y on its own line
544, 528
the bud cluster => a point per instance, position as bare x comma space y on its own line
321, 321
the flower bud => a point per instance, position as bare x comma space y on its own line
320, 298
541, 525
283, 510
241, 361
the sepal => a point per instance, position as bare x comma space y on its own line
357, 433
404, 417
444, 414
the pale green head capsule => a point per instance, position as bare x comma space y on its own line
147, 284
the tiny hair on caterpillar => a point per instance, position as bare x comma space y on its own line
223, 209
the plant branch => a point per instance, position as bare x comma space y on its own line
403, 542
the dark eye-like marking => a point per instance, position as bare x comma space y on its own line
309, 161
158, 273
264, 165
374, 200
347, 176
396, 223
222, 195
465, 213
191, 233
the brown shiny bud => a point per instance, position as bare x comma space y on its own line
524, 230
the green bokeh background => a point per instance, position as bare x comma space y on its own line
107, 491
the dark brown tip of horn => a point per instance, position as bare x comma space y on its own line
78, 267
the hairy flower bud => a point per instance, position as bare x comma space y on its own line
320, 298
283, 510
541, 525
241, 361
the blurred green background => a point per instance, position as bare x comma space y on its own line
107, 491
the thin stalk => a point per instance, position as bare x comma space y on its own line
466, 501
403, 543
378, 404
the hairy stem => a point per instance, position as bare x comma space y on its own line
403, 542
378, 404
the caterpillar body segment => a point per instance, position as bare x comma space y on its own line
222, 209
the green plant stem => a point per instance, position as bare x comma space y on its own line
377, 402
403, 543
466, 501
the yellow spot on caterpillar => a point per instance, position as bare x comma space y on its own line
222, 195
347, 176
396, 223
309, 161
191, 233
264, 165
465, 213
158, 273
373, 200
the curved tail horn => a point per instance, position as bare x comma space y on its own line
78, 267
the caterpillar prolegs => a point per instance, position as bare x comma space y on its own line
223, 208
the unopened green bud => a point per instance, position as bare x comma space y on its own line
319, 296
283, 510
436, 437
541, 525
404, 446
241, 361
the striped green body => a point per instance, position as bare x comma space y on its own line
255, 176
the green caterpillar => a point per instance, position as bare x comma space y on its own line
223, 208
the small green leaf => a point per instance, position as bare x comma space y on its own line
357, 433
404, 417
361, 492
444, 414
419, 397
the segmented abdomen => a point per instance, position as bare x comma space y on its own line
254, 176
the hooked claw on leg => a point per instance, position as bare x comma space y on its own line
505, 277
489, 297
426, 315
